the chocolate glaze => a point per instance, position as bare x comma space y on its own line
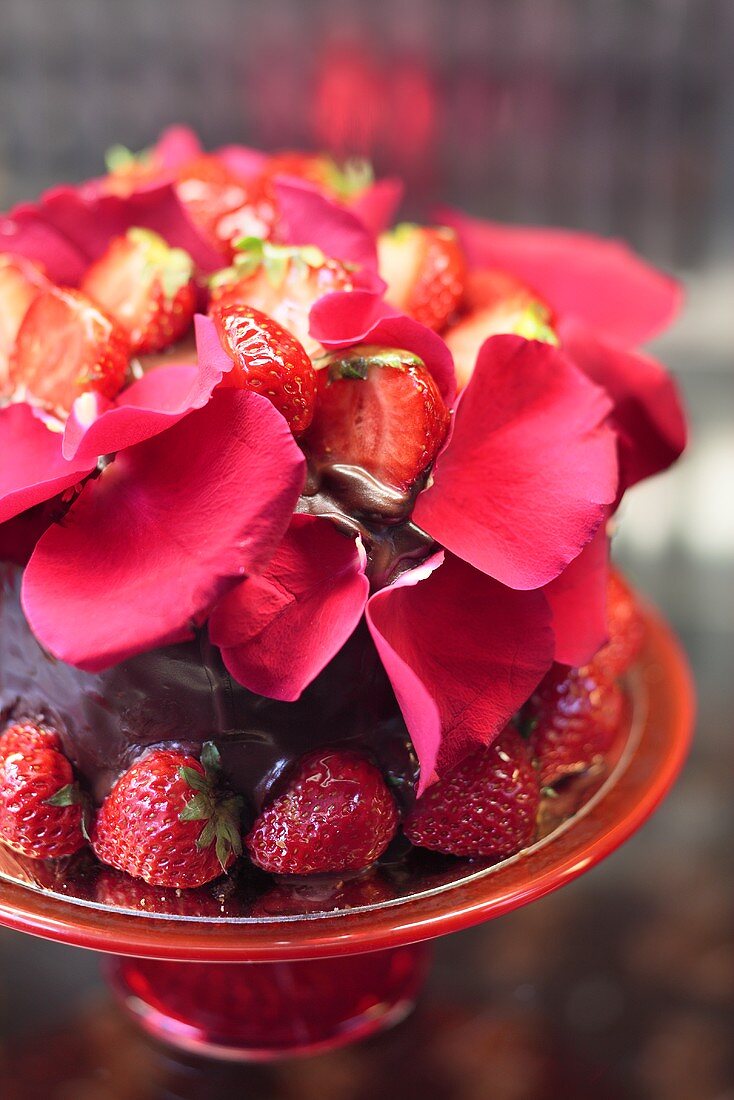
183, 695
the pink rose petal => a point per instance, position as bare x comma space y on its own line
70, 227
378, 204
463, 653
599, 281
358, 317
648, 412
523, 483
244, 162
33, 468
152, 404
578, 602
306, 216
169, 527
278, 630
176, 146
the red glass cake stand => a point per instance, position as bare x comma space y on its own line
287, 969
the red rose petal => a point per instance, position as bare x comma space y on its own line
601, 282
648, 413
306, 216
359, 317
463, 653
277, 631
523, 483
150, 405
244, 162
378, 204
33, 468
578, 602
70, 227
169, 527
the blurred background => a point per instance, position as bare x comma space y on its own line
614, 116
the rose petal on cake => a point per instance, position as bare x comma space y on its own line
33, 468
69, 227
153, 403
345, 318
463, 653
278, 630
525, 479
176, 146
307, 216
243, 161
578, 603
599, 281
648, 411
170, 526
378, 204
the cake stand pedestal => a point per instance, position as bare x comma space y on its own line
259, 987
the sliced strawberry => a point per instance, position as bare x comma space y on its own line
485, 806
20, 282
128, 171
496, 303
222, 205
340, 182
378, 409
425, 272
268, 360
146, 286
281, 281
66, 345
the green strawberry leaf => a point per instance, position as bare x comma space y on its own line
356, 362
211, 761
195, 779
70, 795
198, 808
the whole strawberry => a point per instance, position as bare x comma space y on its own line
146, 287
335, 814
41, 806
167, 821
268, 360
65, 346
574, 715
485, 806
425, 271
626, 628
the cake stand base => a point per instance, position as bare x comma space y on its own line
264, 1011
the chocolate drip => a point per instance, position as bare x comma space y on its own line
182, 695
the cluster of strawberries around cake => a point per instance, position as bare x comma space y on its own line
307, 305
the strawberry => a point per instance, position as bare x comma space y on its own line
267, 360
128, 171
486, 805
341, 182
281, 281
65, 346
573, 717
146, 287
496, 303
41, 806
626, 628
425, 272
167, 821
334, 814
25, 736
221, 204
20, 282
378, 408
